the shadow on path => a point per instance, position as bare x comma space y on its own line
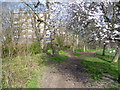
68, 74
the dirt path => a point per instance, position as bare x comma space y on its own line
70, 74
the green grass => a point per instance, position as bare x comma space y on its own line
49, 51
91, 50
77, 54
80, 50
98, 65
33, 83
59, 58
60, 52
22, 71
107, 52
88, 50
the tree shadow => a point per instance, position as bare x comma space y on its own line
106, 58
83, 71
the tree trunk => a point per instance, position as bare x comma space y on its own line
54, 45
118, 79
54, 50
84, 48
117, 55
77, 41
103, 53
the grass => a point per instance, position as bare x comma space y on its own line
49, 51
59, 58
98, 65
107, 52
60, 52
77, 54
80, 50
91, 50
22, 71
88, 50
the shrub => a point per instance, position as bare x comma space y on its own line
66, 48
60, 52
5, 52
34, 48
9, 51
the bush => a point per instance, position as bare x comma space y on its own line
60, 52
5, 52
9, 51
66, 48
34, 48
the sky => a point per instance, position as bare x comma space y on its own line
21, 0
60, 0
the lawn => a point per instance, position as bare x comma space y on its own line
77, 54
107, 52
60, 52
88, 50
100, 65
60, 58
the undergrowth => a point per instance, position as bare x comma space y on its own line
22, 71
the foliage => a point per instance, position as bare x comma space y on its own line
66, 48
9, 51
60, 41
60, 52
34, 48
22, 71
5, 52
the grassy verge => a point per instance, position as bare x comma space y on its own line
60, 58
100, 65
77, 54
88, 50
22, 71
107, 52
60, 52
